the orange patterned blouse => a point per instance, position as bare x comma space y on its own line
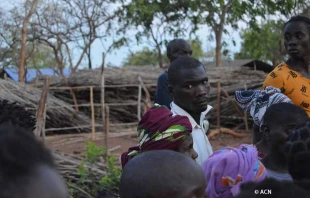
292, 84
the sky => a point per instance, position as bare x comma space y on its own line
116, 57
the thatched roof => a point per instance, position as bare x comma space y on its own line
29, 97
149, 75
232, 79
113, 76
241, 63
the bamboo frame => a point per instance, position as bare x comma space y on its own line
92, 112
139, 103
106, 128
245, 113
99, 87
103, 105
41, 109
44, 121
218, 104
92, 105
88, 105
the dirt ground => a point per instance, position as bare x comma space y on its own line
121, 144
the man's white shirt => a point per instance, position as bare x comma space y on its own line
201, 142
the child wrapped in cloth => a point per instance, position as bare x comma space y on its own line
160, 130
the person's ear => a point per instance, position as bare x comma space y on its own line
266, 132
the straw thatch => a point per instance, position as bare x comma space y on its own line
232, 79
29, 97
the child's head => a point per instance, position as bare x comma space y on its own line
297, 149
271, 188
257, 102
279, 120
17, 115
26, 166
164, 174
229, 167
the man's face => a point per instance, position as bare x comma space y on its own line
181, 48
191, 89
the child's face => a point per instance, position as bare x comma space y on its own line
277, 134
186, 147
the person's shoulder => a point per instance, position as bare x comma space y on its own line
281, 68
164, 75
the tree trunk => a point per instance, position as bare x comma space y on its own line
22, 53
160, 57
218, 49
24, 39
88, 53
89, 59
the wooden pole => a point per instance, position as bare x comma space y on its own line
139, 103
233, 102
105, 136
44, 122
72, 93
218, 104
41, 109
92, 112
107, 121
147, 94
245, 113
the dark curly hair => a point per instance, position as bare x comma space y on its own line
20, 154
17, 115
297, 148
173, 46
300, 18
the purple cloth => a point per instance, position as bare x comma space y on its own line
229, 167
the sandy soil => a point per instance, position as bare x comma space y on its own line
217, 142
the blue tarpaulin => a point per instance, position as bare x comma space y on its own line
32, 73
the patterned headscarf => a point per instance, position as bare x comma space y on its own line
158, 130
229, 167
257, 101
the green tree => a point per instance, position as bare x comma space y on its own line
196, 45
147, 56
154, 21
143, 57
41, 57
37, 55
264, 43
220, 14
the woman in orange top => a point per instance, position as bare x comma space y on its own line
293, 76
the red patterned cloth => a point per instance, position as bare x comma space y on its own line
159, 130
